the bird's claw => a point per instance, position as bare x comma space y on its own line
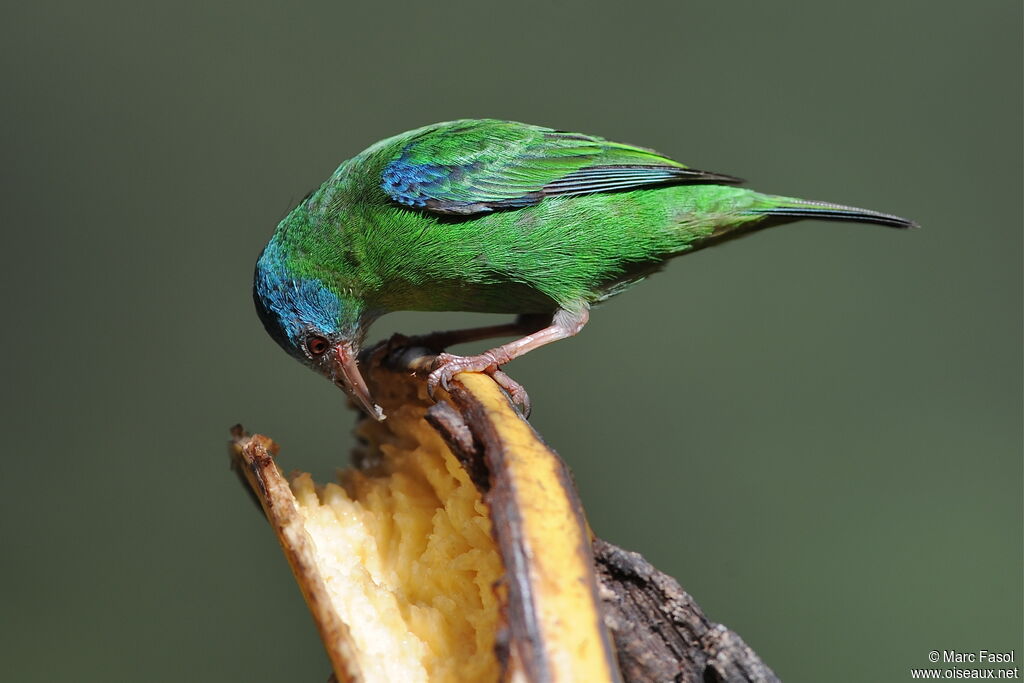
447, 365
515, 390
440, 375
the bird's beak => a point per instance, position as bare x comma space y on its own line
348, 377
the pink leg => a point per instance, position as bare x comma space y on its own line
564, 324
438, 341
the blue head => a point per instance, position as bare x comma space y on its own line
312, 322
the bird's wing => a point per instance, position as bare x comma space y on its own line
476, 166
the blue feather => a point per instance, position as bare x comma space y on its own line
290, 307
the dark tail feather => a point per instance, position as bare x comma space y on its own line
798, 208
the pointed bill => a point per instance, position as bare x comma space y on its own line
348, 377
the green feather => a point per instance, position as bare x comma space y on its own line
377, 254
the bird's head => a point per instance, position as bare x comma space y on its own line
320, 325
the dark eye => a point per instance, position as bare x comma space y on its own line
316, 346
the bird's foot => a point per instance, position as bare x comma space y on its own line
447, 365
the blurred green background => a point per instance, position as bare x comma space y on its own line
817, 430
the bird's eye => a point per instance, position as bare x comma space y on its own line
316, 346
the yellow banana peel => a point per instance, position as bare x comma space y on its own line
453, 549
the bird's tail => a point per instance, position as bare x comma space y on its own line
786, 209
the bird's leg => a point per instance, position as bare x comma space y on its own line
438, 341
565, 323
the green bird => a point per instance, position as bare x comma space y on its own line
496, 217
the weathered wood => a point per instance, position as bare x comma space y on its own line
660, 632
